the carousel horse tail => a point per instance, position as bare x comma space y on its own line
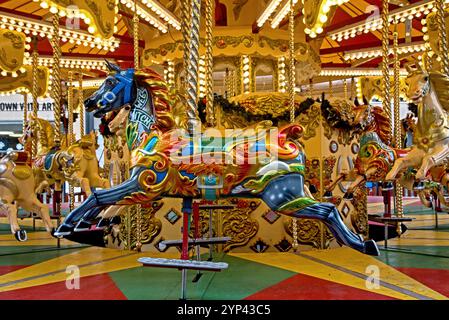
89, 209
292, 202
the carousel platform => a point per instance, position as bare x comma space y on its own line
415, 266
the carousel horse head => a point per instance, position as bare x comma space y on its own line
418, 82
116, 91
133, 102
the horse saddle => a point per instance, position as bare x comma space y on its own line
210, 186
49, 159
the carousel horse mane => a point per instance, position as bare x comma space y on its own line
163, 99
46, 133
440, 83
380, 124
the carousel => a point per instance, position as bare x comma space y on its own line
224, 149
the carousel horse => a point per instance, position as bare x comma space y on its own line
430, 91
76, 164
376, 158
18, 189
170, 162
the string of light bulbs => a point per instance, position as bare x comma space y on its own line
32, 27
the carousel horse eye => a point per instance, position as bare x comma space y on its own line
426, 78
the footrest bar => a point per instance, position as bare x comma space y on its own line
183, 264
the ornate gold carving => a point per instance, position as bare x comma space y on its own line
310, 232
372, 87
311, 11
310, 120
359, 216
101, 13
238, 5
12, 50
150, 225
25, 80
236, 223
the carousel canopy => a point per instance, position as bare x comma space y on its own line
346, 36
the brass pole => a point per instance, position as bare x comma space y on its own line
34, 92
136, 67
399, 191
25, 111
442, 37
291, 95
81, 103
192, 78
56, 95
185, 22
70, 134
56, 87
352, 96
345, 89
209, 64
386, 102
136, 36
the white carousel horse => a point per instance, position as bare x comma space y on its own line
430, 91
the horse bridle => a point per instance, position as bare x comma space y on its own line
125, 83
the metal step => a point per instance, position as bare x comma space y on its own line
200, 241
183, 264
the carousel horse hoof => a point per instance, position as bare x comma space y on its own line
387, 186
313, 189
418, 186
21, 235
371, 248
53, 234
103, 223
348, 196
328, 195
63, 230
82, 226
115, 220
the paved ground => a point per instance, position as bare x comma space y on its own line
416, 266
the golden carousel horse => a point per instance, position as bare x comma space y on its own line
376, 158
18, 189
76, 164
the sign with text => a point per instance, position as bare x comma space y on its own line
11, 107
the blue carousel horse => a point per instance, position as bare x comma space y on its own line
169, 162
